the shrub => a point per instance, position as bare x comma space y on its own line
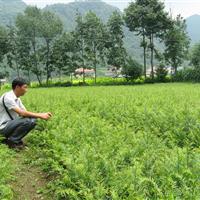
132, 70
161, 73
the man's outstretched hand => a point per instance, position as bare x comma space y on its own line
25, 113
45, 116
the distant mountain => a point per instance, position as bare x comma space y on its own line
193, 28
67, 13
9, 10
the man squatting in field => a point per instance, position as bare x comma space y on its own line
15, 121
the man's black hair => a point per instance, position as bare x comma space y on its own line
18, 82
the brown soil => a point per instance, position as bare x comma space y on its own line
29, 181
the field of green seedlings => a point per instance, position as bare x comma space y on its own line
117, 143
5, 169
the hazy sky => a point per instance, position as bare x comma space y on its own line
183, 7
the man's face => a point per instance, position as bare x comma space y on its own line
21, 90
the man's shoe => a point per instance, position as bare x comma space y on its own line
22, 144
4, 141
18, 146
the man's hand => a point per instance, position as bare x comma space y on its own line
45, 116
25, 113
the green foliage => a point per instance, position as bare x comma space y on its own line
119, 142
28, 25
14, 47
135, 16
37, 29
68, 14
116, 51
161, 73
132, 70
149, 20
50, 27
90, 38
177, 43
37, 47
3, 42
195, 58
6, 168
64, 55
187, 75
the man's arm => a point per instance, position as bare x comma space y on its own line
25, 113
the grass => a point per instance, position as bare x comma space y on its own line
122, 142
6, 168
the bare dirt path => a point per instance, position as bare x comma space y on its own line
29, 181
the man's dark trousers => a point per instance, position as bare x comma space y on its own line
16, 129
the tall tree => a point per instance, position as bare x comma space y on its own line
3, 42
24, 54
50, 27
135, 17
28, 24
64, 55
13, 53
116, 53
95, 38
195, 58
148, 19
157, 23
177, 43
80, 33
3, 50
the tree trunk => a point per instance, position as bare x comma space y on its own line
83, 74
47, 64
175, 69
144, 54
39, 79
59, 75
71, 77
95, 64
82, 52
171, 70
35, 59
95, 72
152, 56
